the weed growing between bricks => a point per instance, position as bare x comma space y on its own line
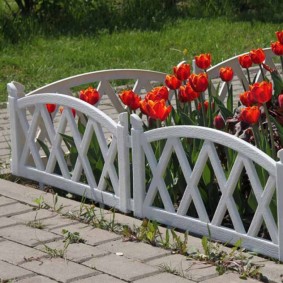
149, 232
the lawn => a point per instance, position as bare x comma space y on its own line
42, 60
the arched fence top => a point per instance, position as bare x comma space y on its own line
214, 136
72, 102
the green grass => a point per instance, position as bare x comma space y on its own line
43, 60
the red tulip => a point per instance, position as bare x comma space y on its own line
187, 94
218, 122
245, 61
279, 35
277, 48
206, 104
280, 100
89, 95
172, 82
61, 109
155, 109
261, 92
199, 82
160, 92
131, 99
257, 56
226, 74
250, 115
50, 107
182, 71
245, 98
203, 61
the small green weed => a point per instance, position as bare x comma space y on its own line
169, 269
53, 252
72, 237
36, 224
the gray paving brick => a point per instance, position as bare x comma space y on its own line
7, 221
93, 236
273, 271
122, 267
59, 222
13, 209
139, 251
16, 253
27, 236
59, 269
5, 201
229, 277
100, 278
36, 279
191, 269
163, 277
12, 272
77, 252
34, 215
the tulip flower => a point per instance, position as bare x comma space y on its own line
155, 109
277, 48
187, 94
261, 92
182, 71
158, 93
280, 100
205, 104
250, 115
172, 82
90, 95
203, 61
199, 82
218, 122
226, 74
50, 107
245, 61
279, 35
61, 109
257, 56
131, 99
246, 98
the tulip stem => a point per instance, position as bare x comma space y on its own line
281, 59
262, 72
202, 109
256, 135
270, 131
249, 77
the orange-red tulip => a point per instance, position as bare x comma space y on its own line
279, 35
245, 98
245, 61
250, 115
157, 93
261, 92
203, 61
199, 82
50, 107
131, 99
182, 71
257, 56
226, 74
277, 48
89, 95
172, 82
205, 104
155, 109
187, 94
218, 122
61, 109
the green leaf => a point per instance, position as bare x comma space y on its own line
226, 113
279, 128
44, 147
278, 82
186, 120
230, 98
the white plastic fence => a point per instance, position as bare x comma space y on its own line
31, 125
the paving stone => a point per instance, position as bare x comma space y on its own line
5, 201
93, 236
27, 236
36, 279
12, 272
60, 269
7, 221
229, 278
123, 219
14, 208
15, 253
122, 267
139, 251
191, 269
101, 278
163, 277
34, 215
273, 271
77, 252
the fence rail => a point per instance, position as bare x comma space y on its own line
58, 149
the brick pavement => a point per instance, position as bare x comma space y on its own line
103, 257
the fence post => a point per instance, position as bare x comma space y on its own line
15, 91
279, 192
123, 146
138, 160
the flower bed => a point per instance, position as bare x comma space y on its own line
190, 160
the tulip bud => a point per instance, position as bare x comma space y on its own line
218, 122
280, 100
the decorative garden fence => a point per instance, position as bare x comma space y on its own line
41, 150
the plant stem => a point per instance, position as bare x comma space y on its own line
256, 135
281, 59
202, 109
249, 76
262, 73
270, 131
